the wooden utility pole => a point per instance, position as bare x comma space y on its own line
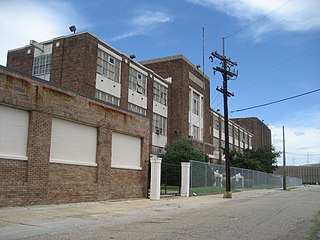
227, 70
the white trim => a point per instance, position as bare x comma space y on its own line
109, 52
13, 157
70, 162
126, 167
138, 69
160, 82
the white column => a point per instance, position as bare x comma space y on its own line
155, 180
185, 179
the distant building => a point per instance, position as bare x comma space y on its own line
239, 137
261, 132
310, 174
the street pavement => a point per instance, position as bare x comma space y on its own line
254, 214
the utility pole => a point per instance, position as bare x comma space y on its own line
284, 162
227, 69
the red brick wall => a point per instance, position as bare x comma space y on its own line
178, 99
20, 60
261, 132
74, 63
37, 181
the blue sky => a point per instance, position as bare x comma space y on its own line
276, 44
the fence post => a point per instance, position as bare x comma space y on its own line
185, 179
155, 178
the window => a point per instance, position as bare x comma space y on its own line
160, 93
41, 65
107, 97
159, 124
196, 132
230, 128
108, 66
215, 122
195, 103
14, 125
137, 81
236, 133
222, 126
137, 109
216, 143
126, 151
73, 143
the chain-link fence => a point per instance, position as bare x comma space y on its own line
208, 178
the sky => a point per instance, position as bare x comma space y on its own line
276, 44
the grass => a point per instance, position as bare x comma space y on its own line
315, 229
207, 190
171, 188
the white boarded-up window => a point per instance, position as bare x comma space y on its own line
14, 125
73, 143
126, 151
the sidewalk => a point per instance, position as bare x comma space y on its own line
24, 222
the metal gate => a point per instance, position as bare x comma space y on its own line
170, 179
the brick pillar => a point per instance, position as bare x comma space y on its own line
38, 157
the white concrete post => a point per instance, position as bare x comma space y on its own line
155, 180
185, 179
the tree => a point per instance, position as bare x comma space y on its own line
262, 159
182, 151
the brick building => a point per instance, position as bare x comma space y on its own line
190, 115
189, 100
261, 132
239, 137
83, 63
87, 117
57, 145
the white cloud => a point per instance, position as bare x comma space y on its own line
145, 23
294, 15
21, 21
302, 137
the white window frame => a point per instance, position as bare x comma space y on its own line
137, 81
41, 65
195, 103
196, 132
159, 125
108, 66
160, 93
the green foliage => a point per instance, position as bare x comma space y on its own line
263, 159
182, 151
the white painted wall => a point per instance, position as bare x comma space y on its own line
106, 85
159, 140
137, 99
160, 109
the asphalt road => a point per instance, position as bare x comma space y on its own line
265, 214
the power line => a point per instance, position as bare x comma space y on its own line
304, 154
281, 100
258, 20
